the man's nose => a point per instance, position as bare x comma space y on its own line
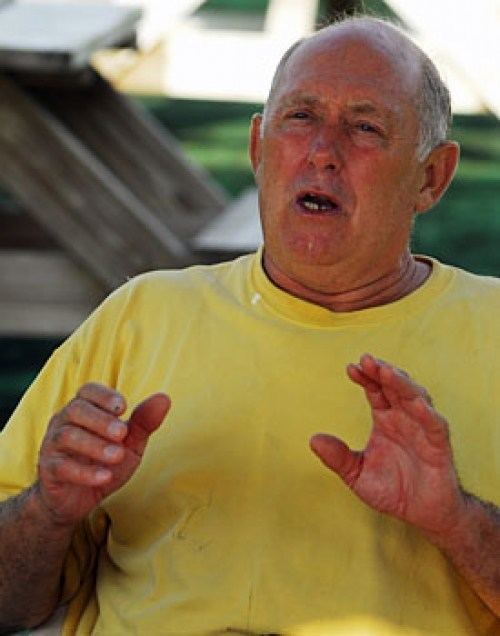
324, 151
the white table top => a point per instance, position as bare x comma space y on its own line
237, 229
52, 36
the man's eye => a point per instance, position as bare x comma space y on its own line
299, 114
366, 127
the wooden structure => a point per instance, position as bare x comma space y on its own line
106, 192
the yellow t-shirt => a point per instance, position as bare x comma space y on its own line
231, 524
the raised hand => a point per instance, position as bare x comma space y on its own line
88, 452
406, 469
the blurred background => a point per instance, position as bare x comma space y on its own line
123, 145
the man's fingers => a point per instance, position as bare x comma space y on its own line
103, 397
402, 385
335, 454
395, 383
84, 414
434, 424
356, 374
145, 419
68, 470
74, 440
373, 390
89, 431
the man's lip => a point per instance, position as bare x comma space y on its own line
312, 194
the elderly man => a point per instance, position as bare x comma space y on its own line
226, 522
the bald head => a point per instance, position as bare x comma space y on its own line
413, 66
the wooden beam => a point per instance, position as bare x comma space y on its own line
139, 152
46, 276
79, 77
79, 201
20, 230
40, 320
44, 293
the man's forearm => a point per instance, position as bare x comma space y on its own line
474, 549
32, 552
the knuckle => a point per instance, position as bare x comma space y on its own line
74, 435
52, 436
89, 388
92, 448
73, 410
57, 467
61, 435
106, 418
85, 414
101, 395
65, 469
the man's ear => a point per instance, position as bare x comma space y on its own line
255, 144
438, 171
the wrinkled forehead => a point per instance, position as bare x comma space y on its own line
375, 56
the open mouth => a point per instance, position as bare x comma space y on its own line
317, 203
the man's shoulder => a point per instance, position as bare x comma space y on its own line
472, 299
475, 285
189, 277
160, 285
160, 301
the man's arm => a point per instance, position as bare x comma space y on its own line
32, 552
87, 453
407, 471
473, 546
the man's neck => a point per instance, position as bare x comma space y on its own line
397, 283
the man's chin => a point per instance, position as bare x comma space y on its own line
311, 255
308, 268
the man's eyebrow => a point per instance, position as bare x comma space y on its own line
364, 108
300, 98
369, 108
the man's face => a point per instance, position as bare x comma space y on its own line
336, 165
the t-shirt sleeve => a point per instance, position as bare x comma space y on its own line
84, 357
91, 354
22, 436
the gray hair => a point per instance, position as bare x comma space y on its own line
433, 103
433, 108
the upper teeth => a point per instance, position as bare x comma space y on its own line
314, 203
311, 205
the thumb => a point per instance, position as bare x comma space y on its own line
335, 454
145, 419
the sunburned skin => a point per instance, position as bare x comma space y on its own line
339, 182
385, 289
